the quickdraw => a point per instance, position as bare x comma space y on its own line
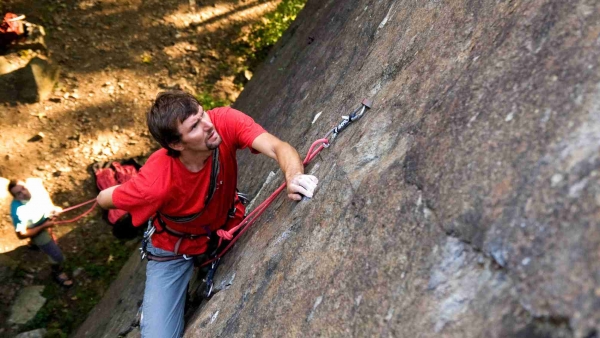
356, 114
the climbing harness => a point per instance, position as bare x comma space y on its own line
162, 220
158, 224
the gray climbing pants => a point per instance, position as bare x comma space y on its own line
53, 251
164, 296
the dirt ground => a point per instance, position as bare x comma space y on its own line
114, 56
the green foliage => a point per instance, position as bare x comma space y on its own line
266, 33
263, 35
209, 102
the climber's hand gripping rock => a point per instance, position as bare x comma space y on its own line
302, 185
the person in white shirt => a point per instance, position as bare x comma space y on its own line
31, 215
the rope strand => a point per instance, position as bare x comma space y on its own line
75, 219
253, 216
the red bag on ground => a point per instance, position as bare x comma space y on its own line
11, 29
108, 175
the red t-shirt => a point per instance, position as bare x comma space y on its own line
164, 184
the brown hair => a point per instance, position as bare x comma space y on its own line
12, 184
168, 109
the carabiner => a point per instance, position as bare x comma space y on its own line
209, 277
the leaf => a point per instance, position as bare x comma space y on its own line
146, 57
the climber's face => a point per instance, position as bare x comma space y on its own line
198, 134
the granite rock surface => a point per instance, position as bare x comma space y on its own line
465, 203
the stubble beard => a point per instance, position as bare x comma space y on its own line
213, 145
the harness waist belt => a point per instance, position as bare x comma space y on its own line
187, 235
152, 257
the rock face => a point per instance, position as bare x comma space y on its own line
32, 83
466, 203
117, 313
26, 72
7, 267
39, 333
28, 303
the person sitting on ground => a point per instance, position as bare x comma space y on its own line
31, 217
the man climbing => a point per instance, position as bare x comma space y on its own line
31, 215
188, 191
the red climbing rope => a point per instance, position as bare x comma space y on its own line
75, 207
228, 235
319, 144
106, 178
